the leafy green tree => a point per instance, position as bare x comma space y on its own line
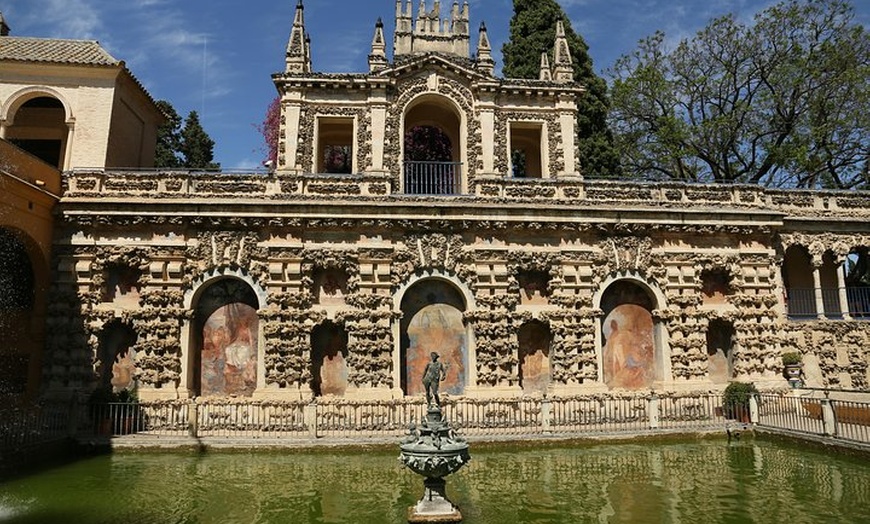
168, 138
196, 146
533, 30
781, 101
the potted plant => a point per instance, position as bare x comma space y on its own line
791, 362
735, 400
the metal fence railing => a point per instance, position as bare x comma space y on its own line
807, 413
22, 426
798, 411
433, 178
802, 304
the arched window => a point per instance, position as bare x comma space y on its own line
858, 282
39, 127
432, 147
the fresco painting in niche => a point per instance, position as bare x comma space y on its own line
229, 339
629, 350
329, 343
437, 328
330, 287
534, 342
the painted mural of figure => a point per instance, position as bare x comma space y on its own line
628, 353
432, 376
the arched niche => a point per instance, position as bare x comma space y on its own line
117, 356
535, 343
432, 146
720, 342
329, 360
631, 353
224, 347
432, 321
17, 301
330, 286
38, 121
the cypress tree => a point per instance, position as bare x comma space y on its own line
196, 146
533, 31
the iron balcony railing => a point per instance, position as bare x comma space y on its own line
801, 302
433, 178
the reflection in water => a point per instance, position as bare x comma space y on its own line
691, 482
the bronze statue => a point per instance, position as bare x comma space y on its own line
432, 375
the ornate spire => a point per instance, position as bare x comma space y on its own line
4, 27
564, 64
485, 63
378, 56
298, 58
545, 74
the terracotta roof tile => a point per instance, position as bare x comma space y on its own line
82, 52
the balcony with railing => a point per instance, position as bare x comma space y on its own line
803, 303
433, 178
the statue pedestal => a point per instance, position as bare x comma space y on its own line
434, 451
434, 506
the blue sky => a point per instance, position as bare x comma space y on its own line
217, 56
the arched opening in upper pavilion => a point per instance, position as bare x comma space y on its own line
224, 348
17, 300
432, 322
630, 356
432, 147
39, 126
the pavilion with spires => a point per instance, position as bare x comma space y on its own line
433, 85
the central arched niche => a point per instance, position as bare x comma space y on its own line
226, 331
432, 322
534, 340
628, 353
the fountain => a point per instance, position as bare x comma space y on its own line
434, 450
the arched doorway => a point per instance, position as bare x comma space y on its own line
17, 299
432, 322
39, 127
534, 356
225, 348
432, 147
328, 360
628, 337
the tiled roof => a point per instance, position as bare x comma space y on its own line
79, 52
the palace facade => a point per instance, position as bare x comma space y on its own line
429, 206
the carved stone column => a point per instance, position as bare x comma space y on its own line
817, 289
841, 288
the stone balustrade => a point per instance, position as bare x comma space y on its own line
366, 186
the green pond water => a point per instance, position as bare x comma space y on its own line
704, 481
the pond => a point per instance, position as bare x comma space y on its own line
688, 481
